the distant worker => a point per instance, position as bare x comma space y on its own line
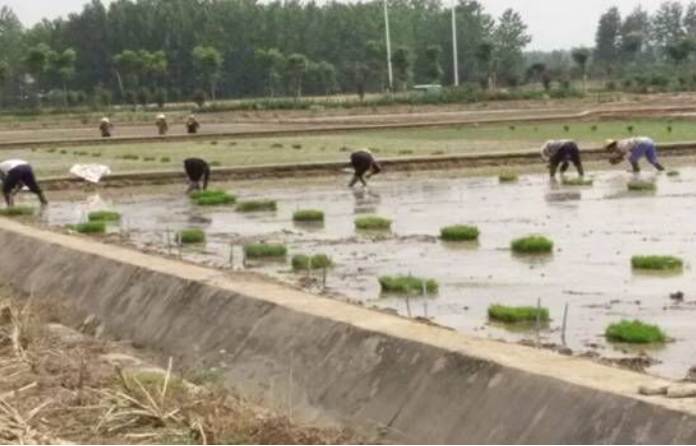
562, 153
633, 149
105, 127
162, 124
363, 163
192, 125
198, 171
16, 174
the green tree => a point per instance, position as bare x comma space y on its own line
129, 66
323, 76
667, 29
36, 63
63, 65
679, 52
607, 41
433, 70
295, 68
510, 39
402, 59
485, 54
375, 63
271, 63
208, 62
635, 32
581, 56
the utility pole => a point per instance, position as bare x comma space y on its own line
388, 38
455, 56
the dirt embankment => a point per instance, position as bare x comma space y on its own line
58, 385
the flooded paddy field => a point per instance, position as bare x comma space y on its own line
596, 231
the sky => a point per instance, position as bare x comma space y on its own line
553, 24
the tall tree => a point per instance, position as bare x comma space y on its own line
433, 54
486, 55
635, 34
271, 62
63, 65
581, 56
36, 64
607, 41
667, 25
208, 62
510, 38
680, 51
402, 59
295, 68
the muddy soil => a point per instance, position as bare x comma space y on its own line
596, 229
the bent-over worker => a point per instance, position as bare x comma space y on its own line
365, 166
198, 171
633, 149
16, 174
562, 153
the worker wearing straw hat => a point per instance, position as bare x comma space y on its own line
105, 127
633, 149
162, 125
192, 125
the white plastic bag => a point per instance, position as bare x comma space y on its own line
90, 172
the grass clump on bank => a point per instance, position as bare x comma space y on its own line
508, 178
190, 236
641, 186
533, 244
460, 233
105, 216
302, 262
92, 227
17, 211
657, 263
308, 216
263, 251
514, 315
579, 181
408, 285
635, 332
212, 198
373, 224
257, 206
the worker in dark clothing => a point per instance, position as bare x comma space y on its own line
105, 127
192, 125
364, 165
16, 174
198, 171
162, 124
633, 149
562, 153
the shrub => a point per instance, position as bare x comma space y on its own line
17, 211
265, 251
303, 262
373, 223
513, 315
212, 198
308, 215
190, 236
105, 216
257, 205
407, 285
508, 178
657, 263
635, 332
92, 227
577, 182
641, 186
460, 233
533, 244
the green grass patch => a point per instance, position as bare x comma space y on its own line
308, 216
264, 251
635, 332
408, 285
460, 233
303, 262
373, 224
190, 236
92, 227
17, 211
657, 263
212, 197
578, 181
641, 186
105, 216
515, 315
673, 173
533, 244
257, 206
508, 178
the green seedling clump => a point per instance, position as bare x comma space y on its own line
215, 164
408, 285
508, 178
635, 332
533, 244
514, 315
130, 157
212, 198
265, 251
641, 186
460, 233
673, 173
92, 227
190, 236
373, 224
165, 159
149, 159
577, 182
308, 216
105, 216
257, 206
303, 262
657, 263
17, 211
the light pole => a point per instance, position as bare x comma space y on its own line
455, 57
388, 38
